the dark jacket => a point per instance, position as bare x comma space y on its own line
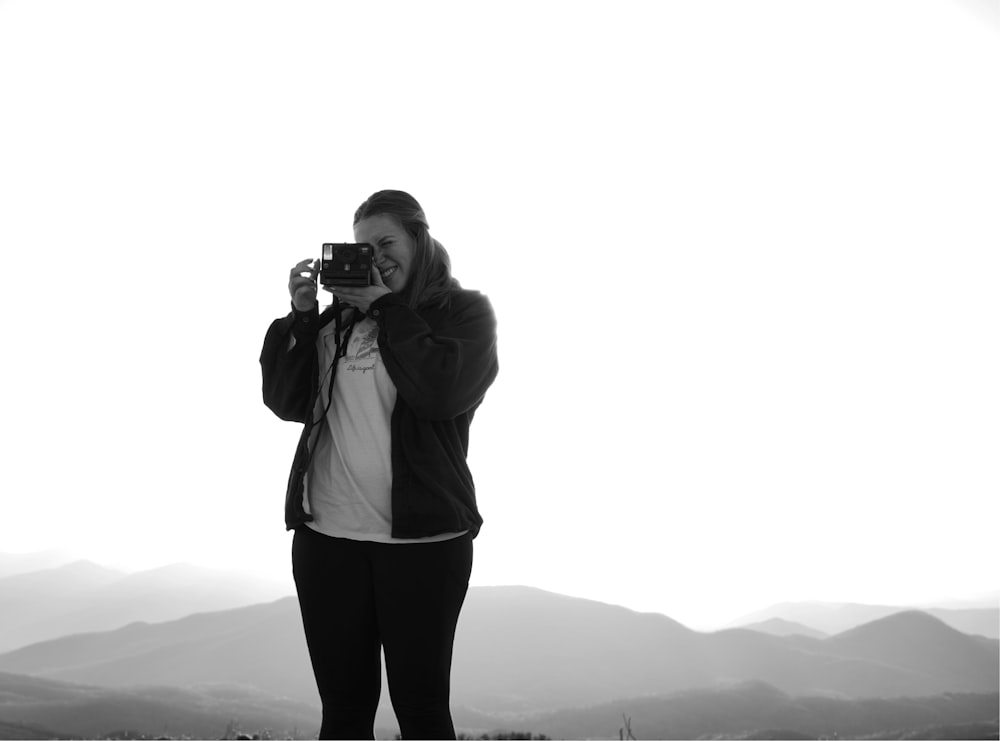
441, 361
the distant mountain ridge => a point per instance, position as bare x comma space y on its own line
521, 650
261, 645
60, 604
779, 627
835, 617
82, 596
23, 563
961, 660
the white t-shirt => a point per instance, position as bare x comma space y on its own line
349, 484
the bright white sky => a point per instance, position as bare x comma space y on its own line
744, 258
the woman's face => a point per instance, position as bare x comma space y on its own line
394, 249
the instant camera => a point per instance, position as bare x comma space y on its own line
345, 264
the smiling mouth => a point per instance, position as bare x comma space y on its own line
388, 271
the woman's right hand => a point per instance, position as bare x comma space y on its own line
302, 285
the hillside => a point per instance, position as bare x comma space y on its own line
83, 597
28, 733
521, 650
81, 711
779, 627
944, 653
975, 618
747, 709
23, 563
261, 645
36, 603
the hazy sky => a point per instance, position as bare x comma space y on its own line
744, 258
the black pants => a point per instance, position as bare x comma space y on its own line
358, 597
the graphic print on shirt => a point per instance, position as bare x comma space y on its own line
366, 352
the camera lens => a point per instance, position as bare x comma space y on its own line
346, 254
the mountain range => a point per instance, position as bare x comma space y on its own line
521, 651
758, 710
82, 596
32, 707
23, 563
546, 650
981, 617
49, 594
780, 627
523, 658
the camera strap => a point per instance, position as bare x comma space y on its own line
340, 344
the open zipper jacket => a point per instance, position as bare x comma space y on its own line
441, 360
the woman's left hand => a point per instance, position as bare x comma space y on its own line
362, 298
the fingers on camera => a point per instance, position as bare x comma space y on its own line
305, 268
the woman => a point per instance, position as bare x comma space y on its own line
380, 496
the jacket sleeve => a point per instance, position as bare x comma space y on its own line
441, 371
288, 362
